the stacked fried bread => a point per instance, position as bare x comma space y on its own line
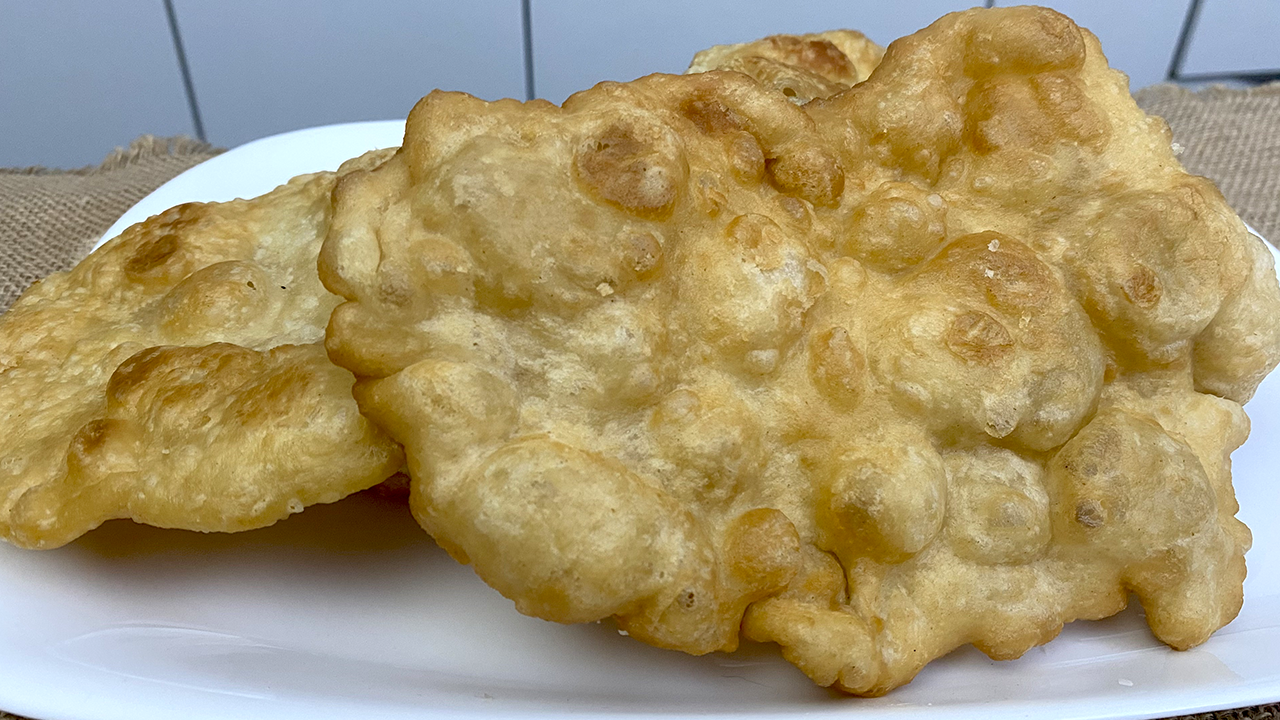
867, 354
178, 377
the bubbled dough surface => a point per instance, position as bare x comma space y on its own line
802, 67
177, 377
942, 359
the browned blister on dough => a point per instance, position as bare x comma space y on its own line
801, 67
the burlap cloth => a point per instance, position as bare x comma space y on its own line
49, 219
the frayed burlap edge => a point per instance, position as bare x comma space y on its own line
144, 147
51, 218
1211, 92
1258, 712
1232, 137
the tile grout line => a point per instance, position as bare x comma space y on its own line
526, 36
1184, 39
185, 70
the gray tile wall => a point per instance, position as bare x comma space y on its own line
1235, 35
78, 77
261, 68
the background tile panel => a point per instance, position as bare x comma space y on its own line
79, 77
265, 68
1235, 36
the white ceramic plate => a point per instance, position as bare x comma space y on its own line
350, 611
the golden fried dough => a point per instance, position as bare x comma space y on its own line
954, 356
177, 377
802, 67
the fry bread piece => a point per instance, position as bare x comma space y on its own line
802, 67
954, 356
176, 377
